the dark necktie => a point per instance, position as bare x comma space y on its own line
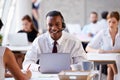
54, 47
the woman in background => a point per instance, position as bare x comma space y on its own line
107, 41
29, 28
7, 60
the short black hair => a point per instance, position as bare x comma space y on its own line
104, 14
55, 13
1, 24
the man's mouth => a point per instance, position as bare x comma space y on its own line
54, 32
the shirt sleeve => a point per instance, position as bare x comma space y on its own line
78, 53
31, 57
85, 29
96, 42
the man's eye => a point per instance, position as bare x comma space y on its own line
57, 24
50, 25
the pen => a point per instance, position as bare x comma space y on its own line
28, 67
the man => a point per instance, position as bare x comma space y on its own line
103, 22
92, 28
54, 41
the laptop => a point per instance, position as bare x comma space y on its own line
18, 39
54, 62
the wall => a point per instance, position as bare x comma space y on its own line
72, 11
76, 11
101, 5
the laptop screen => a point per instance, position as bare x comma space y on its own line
18, 39
54, 62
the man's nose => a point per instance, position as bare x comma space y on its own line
54, 27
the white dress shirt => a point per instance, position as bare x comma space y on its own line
103, 24
93, 28
44, 44
103, 41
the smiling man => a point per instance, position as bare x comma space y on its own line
55, 40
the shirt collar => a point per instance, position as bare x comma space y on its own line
58, 41
118, 34
93, 23
108, 33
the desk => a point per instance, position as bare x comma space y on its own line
39, 76
84, 38
97, 58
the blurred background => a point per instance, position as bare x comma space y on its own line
74, 12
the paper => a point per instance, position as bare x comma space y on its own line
46, 77
77, 73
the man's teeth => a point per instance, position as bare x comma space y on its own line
54, 32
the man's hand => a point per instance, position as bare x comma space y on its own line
90, 35
28, 73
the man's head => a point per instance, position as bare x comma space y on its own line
104, 14
55, 24
93, 17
